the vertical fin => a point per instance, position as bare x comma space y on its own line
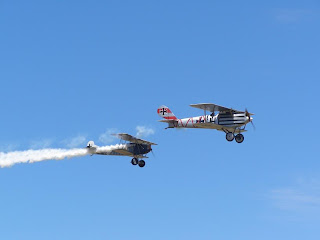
165, 112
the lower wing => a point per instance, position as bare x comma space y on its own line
218, 127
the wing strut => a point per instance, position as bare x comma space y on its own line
205, 115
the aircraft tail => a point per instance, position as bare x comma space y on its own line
91, 144
166, 113
92, 148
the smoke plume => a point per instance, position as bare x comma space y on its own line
108, 149
30, 156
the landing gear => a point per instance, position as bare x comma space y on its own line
141, 163
239, 138
229, 136
134, 161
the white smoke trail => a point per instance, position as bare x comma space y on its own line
31, 156
106, 150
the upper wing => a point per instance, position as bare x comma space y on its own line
128, 137
214, 107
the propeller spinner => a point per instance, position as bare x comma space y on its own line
250, 118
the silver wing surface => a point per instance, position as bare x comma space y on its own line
214, 107
121, 152
217, 127
168, 120
129, 138
127, 153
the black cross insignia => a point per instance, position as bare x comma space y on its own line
163, 111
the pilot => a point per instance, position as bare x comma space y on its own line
212, 115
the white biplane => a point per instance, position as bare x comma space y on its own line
227, 120
136, 148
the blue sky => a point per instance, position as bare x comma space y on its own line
73, 70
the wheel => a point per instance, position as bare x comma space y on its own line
229, 136
239, 138
141, 163
134, 161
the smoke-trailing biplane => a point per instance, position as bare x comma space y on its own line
227, 120
135, 147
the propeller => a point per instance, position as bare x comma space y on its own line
151, 150
250, 119
153, 153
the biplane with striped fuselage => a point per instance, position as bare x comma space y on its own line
228, 120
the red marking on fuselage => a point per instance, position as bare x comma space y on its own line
193, 123
171, 118
187, 122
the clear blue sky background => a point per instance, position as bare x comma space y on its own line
80, 68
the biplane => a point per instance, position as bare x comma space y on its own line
228, 120
132, 147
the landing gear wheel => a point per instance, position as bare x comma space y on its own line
239, 138
141, 163
134, 161
230, 136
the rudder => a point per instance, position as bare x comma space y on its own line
165, 112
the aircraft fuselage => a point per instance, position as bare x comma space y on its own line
228, 120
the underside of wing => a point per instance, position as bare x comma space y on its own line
130, 138
123, 152
168, 120
207, 125
130, 154
140, 156
113, 153
217, 127
229, 129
